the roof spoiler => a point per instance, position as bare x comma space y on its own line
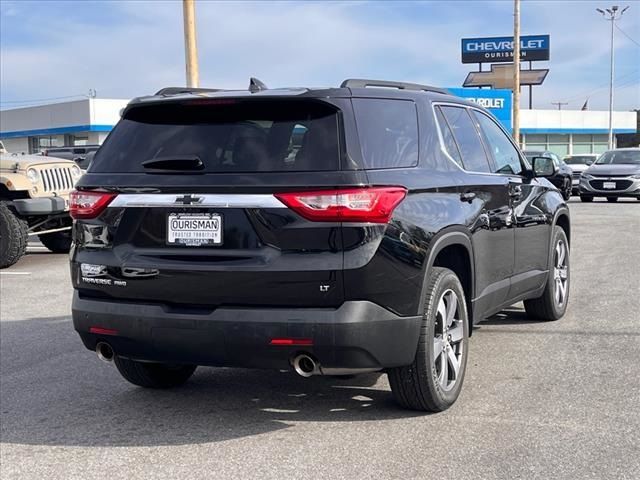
364, 83
255, 85
168, 91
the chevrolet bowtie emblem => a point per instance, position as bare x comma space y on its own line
188, 199
501, 76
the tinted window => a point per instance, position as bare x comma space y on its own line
449, 142
579, 159
227, 136
505, 155
467, 138
388, 131
620, 157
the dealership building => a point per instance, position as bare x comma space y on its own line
89, 121
75, 123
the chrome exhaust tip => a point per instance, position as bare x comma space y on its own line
305, 366
104, 352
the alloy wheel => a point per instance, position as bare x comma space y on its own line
447, 340
560, 273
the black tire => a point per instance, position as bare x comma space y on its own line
566, 191
13, 236
57, 242
418, 386
586, 199
153, 375
612, 199
547, 306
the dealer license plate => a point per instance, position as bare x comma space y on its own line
194, 229
611, 185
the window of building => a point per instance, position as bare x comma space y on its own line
558, 144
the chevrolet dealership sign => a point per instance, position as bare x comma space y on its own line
500, 49
498, 102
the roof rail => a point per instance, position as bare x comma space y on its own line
363, 83
168, 91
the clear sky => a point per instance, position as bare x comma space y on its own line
51, 49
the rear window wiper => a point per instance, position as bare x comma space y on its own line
187, 163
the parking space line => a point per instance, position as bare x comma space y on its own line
15, 273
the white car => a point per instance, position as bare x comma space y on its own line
578, 164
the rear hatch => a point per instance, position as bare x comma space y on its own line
200, 211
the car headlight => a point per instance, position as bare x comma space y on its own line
76, 172
33, 175
586, 176
636, 176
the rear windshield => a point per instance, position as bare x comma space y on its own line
579, 159
531, 155
226, 135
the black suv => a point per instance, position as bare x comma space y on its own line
563, 178
329, 231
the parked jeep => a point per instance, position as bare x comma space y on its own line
34, 200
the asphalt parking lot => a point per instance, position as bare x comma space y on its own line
540, 400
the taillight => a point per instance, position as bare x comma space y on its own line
370, 205
88, 204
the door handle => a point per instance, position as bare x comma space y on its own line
467, 197
515, 191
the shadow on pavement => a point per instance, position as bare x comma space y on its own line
510, 316
55, 392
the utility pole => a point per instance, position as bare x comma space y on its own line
190, 47
516, 71
559, 104
613, 15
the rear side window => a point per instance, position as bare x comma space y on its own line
388, 132
474, 157
447, 136
227, 136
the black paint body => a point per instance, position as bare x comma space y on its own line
221, 305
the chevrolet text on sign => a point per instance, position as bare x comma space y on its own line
500, 49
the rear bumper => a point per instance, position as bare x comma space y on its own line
359, 334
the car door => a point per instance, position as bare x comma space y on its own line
525, 196
491, 220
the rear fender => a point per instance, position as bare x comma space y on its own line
448, 237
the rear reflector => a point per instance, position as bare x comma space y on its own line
103, 331
370, 205
88, 204
291, 341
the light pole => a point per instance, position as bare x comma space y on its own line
612, 15
190, 48
516, 71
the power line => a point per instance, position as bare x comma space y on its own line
36, 100
627, 35
601, 87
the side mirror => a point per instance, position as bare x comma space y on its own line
544, 167
589, 162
